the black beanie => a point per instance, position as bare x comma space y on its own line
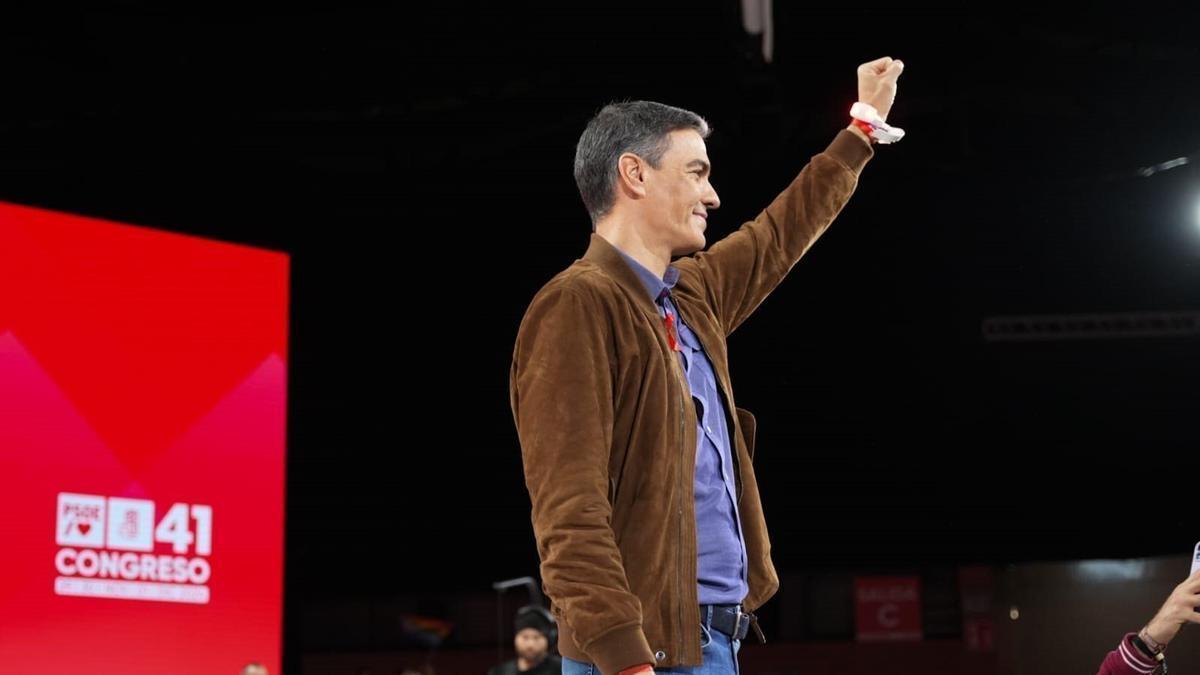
532, 619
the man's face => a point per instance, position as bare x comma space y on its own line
254, 670
531, 644
679, 194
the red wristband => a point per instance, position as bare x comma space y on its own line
865, 128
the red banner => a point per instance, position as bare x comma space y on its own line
887, 608
142, 419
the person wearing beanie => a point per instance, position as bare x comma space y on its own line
533, 639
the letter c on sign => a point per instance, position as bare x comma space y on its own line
887, 616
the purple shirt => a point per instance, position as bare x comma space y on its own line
720, 550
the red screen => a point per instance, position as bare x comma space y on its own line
142, 443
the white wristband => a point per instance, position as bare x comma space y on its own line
880, 130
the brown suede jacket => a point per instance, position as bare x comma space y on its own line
608, 431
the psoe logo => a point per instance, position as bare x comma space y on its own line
108, 549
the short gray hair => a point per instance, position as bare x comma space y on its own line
639, 127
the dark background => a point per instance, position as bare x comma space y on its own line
416, 163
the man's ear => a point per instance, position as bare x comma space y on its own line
631, 175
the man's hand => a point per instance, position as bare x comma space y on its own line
877, 83
1180, 608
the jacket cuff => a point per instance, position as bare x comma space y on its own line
619, 648
1134, 657
852, 151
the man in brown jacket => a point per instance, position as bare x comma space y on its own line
638, 463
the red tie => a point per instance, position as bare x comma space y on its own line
670, 321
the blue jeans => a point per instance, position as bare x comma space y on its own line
719, 656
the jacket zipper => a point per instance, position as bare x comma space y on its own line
682, 491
